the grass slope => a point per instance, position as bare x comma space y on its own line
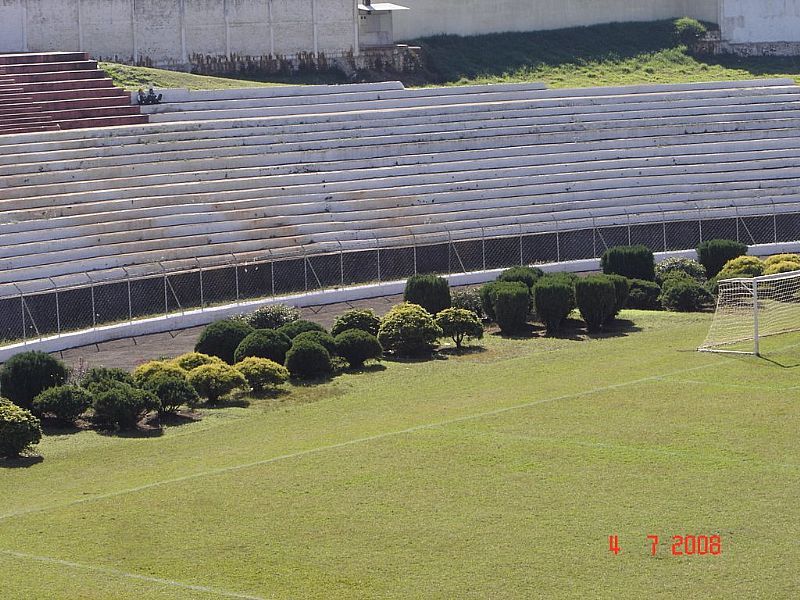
497, 474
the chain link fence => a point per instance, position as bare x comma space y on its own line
30, 316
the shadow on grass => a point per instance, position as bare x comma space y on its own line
235, 402
793, 364
138, 432
20, 462
52, 426
176, 419
270, 394
463, 351
371, 368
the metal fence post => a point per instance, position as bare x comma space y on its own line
700, 223
521, 260
483, 249
341, 264
94, 310
24, 326
58, 307
272, 272
236, 275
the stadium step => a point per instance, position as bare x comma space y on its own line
42, 57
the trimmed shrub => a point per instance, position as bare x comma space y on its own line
486, 294
173, 392
65, 402
554, 299
356, 318
262, 373
622, 289
409, 330
459, 324
222, 338
688, 31
644, 295
684, 295
468, 300
323, 338
192, 360
779, 258
633, 262
357, 346
123, 406
596, 298
272, 316
669, 266
428, 291
19, 429
713, 254
742, 266
214, 381
264, 343
782, 267
146, 371
526, 275
308, 360
295, 328
511, 304
103, 375
26, 375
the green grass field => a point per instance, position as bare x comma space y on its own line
495, 474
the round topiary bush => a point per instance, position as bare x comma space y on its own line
431, 292
26, 375
214, 381
123, 406
409, 330
527, 275
460, 324
781, 258
690, 267
742, 266
596, 298
781, 267
295, 328
554, 299
684, 295
103, 375
511, 302
323, 338
264, 343
688, 31
308, 360
173, 392
262, 373
19, 429
146, 371
633, 262
468, 300
713, 254
622, 288
65, 402
192, 360
357, 318
272, 316
222, 338
357, 347
644, 295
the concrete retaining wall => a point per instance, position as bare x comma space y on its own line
760, 21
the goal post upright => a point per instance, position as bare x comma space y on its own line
755, 317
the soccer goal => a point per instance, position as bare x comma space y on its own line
750, 309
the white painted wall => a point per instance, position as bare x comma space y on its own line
744, 21
470, 17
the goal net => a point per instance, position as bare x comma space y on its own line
751, 309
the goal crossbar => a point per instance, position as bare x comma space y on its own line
750, 309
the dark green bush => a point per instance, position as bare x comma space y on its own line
357, 346
689, 31
409, 330
323, 338
459, 324
356, 318
554, 298
101, 374
123, 406
173, 392
713, 254
308, 360
295, 328
684, 295
428, 291
65, 402
264, 343
622, 289
26, 375
272, 316
644, 295
596, 298
511, 304
214, 381
222, 338
19, 429
468, 300
633, 262
486, 294
669, 266
526, 275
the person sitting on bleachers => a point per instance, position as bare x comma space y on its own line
141, 97
152, 98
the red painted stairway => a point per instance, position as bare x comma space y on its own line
60, 90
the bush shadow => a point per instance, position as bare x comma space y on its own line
270, 394
463, 351
371, 368
20, 462
233, 402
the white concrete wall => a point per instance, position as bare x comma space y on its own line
470, 17
753, 21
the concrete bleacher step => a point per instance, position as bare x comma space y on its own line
61, 85
67, 104
42, 57
52, 76
47, 67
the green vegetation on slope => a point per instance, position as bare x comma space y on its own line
495, 474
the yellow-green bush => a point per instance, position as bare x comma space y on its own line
742, 266
779, 258
782, 267
262, 373
144, 372
192, 360
214, 381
